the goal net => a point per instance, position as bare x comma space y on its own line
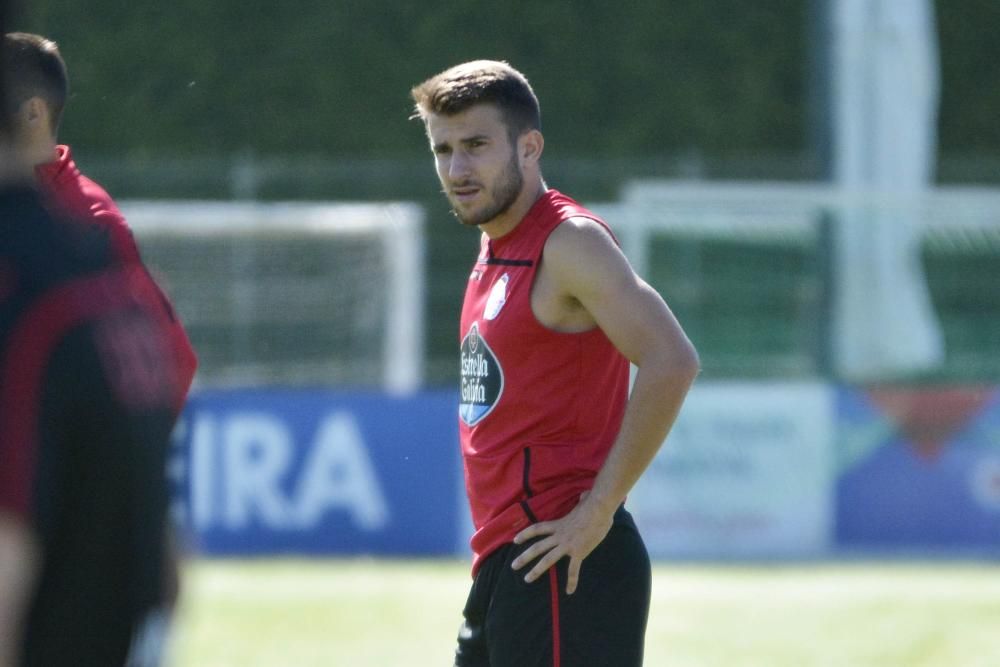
292, 294
752, 269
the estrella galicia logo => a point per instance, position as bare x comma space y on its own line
482, 378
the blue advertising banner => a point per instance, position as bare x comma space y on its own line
748, 471
265, 471
919, 469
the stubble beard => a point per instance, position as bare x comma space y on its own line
504, 193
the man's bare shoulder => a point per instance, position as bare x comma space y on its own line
581, 243
580, 225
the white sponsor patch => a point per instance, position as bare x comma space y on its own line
497, 298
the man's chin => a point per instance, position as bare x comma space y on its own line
466, 222
467, 218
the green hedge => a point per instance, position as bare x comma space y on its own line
634, 79
642, 78
307, 77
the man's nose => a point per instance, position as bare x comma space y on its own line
459, 166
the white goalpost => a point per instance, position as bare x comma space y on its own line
293, 294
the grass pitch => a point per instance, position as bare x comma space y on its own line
384, 613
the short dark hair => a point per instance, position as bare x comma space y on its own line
33, 67
480, 82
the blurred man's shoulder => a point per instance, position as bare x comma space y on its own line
43, 249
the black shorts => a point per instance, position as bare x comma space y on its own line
510, 623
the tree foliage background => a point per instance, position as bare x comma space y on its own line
310, 77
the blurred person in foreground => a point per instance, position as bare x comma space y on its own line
38, 88
88, 387
551, 441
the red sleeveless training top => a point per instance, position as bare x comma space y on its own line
539, 409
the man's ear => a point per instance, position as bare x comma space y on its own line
34, 112
530, 146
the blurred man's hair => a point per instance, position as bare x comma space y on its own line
480, 82
33, 67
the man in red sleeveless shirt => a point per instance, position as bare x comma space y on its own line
39, 86
551, 441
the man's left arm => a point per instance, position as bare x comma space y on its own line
590, 268
18, 569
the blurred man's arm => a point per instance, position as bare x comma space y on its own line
18, 563
127, 251
185, 359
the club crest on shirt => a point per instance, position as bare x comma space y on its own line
497, 298
481, 378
